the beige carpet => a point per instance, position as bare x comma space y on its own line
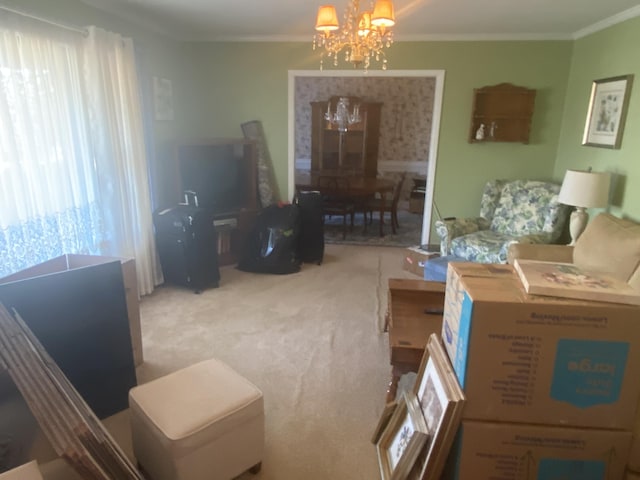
311, 341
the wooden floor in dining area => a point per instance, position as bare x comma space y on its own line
407, 235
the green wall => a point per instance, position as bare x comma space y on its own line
245, 81
217, 86
607, 53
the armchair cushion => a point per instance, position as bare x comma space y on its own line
483, 246
457, 227
610, 245
518, 211
526, 207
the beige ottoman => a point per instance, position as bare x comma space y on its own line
202, 422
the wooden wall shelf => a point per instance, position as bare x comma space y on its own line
505, 110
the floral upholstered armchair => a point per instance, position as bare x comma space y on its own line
516, 211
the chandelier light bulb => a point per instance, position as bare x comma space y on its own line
364, 25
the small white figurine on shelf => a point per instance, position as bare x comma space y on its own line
480, 132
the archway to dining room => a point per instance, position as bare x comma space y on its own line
409, 124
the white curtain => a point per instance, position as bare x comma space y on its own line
49, 201
120, 154
73, 168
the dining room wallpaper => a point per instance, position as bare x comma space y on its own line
406, 115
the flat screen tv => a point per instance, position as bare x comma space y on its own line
216, 173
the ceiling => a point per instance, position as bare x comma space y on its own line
291, 20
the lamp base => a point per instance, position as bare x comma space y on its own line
577, 223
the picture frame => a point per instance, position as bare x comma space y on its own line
163, 98
441, 401
385, 416
607, 111
402, 439
567, 280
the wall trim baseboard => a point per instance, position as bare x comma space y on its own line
383, 166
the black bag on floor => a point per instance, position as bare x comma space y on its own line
311, 239
272, 246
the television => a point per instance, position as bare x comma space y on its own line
217, 174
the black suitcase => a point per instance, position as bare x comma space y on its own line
311, 238
187, 245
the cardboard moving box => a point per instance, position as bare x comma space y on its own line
547, 360
513, 451
74, 261
414, 258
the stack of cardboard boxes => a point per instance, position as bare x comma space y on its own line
551, 383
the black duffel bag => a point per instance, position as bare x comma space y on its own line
272, 246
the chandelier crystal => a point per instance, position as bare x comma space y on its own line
363, 36
342, 118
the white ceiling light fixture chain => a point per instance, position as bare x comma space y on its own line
363, 36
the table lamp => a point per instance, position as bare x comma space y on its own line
583, 189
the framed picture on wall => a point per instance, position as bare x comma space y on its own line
607, 111
163, 98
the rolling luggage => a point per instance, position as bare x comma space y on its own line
186, 241
311, 238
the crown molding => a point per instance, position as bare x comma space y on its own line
608, 22
444, 37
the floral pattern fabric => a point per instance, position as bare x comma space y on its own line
75, 230
520, 211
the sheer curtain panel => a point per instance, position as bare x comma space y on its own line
73, 166
49, 197
119, 152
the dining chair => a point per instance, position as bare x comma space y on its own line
384, 204
336, 199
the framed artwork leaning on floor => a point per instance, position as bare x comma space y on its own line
402, 439
441, 401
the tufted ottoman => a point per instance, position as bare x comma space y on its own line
202, 422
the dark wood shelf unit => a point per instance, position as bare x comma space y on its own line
238, 220
505, 110
355, 150
231, 239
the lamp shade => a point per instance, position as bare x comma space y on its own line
364, 25
327, 19
585, 189
383, 15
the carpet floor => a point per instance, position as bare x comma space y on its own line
311, 341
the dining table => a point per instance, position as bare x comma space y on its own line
359, 187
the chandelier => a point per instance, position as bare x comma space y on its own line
364, 34
342, 118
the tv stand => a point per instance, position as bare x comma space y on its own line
199, 164
232, 229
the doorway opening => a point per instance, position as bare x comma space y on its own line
424, 166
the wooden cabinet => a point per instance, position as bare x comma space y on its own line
503, 112
355, 150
